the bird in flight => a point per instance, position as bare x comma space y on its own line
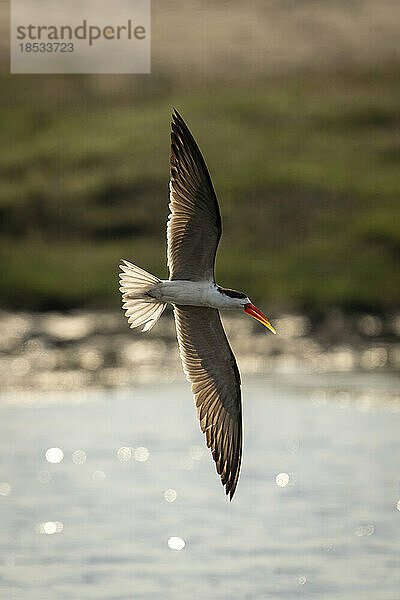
193, 234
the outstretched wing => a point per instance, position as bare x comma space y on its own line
211, 367
194, 224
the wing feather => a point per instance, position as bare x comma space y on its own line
210, 366
194, 223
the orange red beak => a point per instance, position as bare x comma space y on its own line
253, 311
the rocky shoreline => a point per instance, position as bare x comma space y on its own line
83, 349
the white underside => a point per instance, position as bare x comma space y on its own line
145, 296
193, 293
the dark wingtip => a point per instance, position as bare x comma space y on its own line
176, 117
231, 493
176, 122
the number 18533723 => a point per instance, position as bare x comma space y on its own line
46, 47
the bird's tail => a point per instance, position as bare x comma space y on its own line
140, 307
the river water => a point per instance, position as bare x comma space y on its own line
316, 513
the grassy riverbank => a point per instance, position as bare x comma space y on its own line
306, 169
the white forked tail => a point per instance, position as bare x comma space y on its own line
140, 308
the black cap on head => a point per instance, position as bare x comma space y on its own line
231, 293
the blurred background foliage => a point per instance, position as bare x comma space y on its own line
305, 160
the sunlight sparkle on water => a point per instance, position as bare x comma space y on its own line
398, 505
176, 543
374, 358
365, 530
49, 527
124, 454
318, 397
170, 495
282, 479
369, 325
54, 455
79, 457
141, 454
329, 547
5, 488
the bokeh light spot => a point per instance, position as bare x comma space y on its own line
49, 527
54, 455
141, 454
79, 457
124, 454
170, 495
318, 397
282, 479
176, 543
365, 530
5, 488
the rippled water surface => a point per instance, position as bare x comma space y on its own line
316, 514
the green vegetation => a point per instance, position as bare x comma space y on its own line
306, 169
